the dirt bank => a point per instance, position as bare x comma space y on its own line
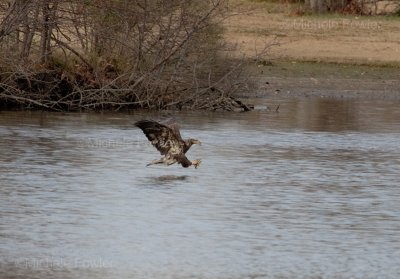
329, 56
324, 38
281, 79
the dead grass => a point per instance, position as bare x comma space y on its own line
325, 38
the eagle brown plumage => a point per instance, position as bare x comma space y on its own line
166, 137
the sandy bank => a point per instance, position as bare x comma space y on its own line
325, 38
328, 56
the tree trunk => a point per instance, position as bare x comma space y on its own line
49, 9
16, 13
29, 32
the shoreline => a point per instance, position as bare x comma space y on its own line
293, 79
283, 79
333, 55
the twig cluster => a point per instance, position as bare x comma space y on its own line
156, 54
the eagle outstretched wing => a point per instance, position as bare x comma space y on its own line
161, 136
173, 125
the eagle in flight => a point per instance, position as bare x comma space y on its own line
165, 136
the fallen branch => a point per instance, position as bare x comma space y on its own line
23, 100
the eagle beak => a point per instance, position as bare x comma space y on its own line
198, 142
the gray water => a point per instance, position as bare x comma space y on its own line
310, 192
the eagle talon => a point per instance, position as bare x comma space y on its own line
196, 163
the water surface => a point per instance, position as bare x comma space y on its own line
309, 192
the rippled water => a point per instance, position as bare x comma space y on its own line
310, 192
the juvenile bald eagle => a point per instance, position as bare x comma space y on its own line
167, 139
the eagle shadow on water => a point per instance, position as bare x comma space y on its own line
166, 137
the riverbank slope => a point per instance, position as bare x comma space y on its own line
331, 55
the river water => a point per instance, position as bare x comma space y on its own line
310, 192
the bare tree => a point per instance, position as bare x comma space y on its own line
139, 53
14, 14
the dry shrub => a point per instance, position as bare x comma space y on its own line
156, 54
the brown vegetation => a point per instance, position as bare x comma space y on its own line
95, 54
332, 38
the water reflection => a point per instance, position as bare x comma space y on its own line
310, 192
